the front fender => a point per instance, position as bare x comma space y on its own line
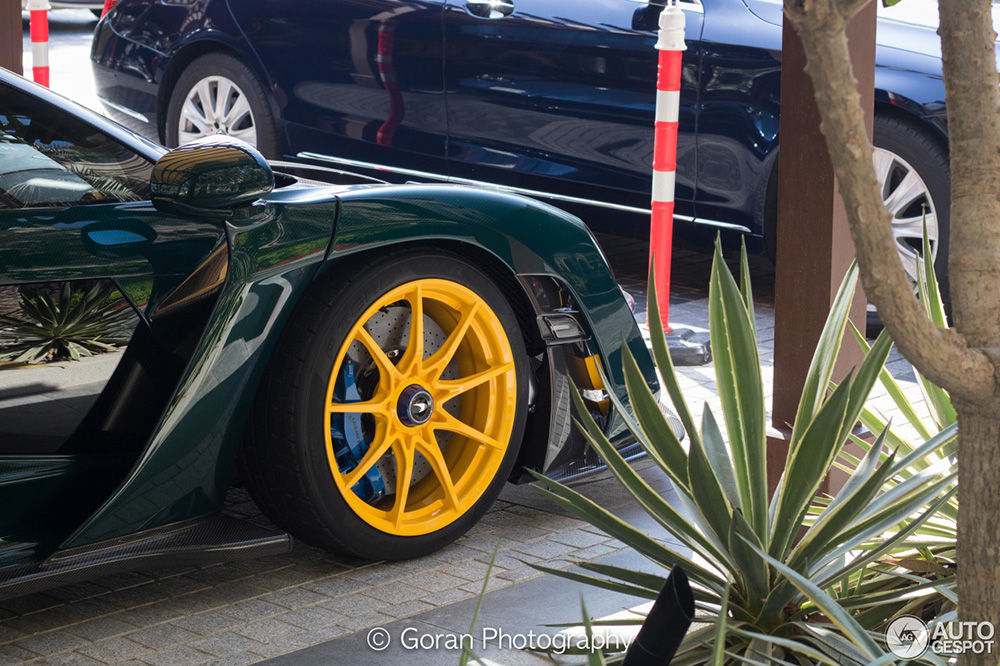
526, 236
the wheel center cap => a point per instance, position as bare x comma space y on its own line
415, 405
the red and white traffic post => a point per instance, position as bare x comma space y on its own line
39, 10
668, 100
661, 228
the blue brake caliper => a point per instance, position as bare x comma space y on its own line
349, 444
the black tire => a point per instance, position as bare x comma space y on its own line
283, 459
234, 69
929, 157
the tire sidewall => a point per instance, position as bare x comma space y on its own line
329, 337
221, 64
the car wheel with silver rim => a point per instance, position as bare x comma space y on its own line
913, 170
218, 94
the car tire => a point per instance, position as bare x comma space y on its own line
298, 458
216, 72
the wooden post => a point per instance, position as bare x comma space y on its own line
814, 245
11, 36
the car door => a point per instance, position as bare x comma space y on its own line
738, 111
558, 97
83, 259
355, 80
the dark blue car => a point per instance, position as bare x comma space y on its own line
548, 98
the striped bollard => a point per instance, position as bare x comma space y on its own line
684, 350
39, 10
668, 97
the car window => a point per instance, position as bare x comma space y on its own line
49, 158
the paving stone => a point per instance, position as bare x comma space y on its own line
446, 597
31, 603
510, 560
162, 636
269, 631
252, 609
354, 604
336, 586
578, 538
77, 591
470, 570
35, 623
224, 644
164, 611
312, 617
395, 593
50, 642
364, 621
526, 533
113, 650
178, 655
239, 659
406, 609
518, 575
593, 552
179, 585
544, 549
102, 627
455, 553
207, 623
317, 636
295, 598
435, 581
66, 659
270, 650
493, 583
12, 654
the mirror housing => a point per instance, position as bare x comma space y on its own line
210, 177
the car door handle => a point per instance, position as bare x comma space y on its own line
490, 8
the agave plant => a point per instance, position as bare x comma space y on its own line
789, 577
71, 323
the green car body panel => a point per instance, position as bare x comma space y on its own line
212, 295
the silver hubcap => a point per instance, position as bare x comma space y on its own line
908, 200
216, 105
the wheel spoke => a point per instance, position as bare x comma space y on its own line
237, 111
432, 452
439, 361
456, 387
375, 451
445, 421
883, 166
190, 113
913, 227
385, 366
373, 406
249, 135
909, 190
414, 355
404, 472
909, 258
207, 102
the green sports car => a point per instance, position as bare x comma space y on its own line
373, 362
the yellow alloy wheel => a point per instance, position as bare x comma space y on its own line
438, 409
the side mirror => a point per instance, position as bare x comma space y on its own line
209, 177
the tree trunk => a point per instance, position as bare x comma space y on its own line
979, 520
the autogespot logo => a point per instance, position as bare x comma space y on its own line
907, 637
